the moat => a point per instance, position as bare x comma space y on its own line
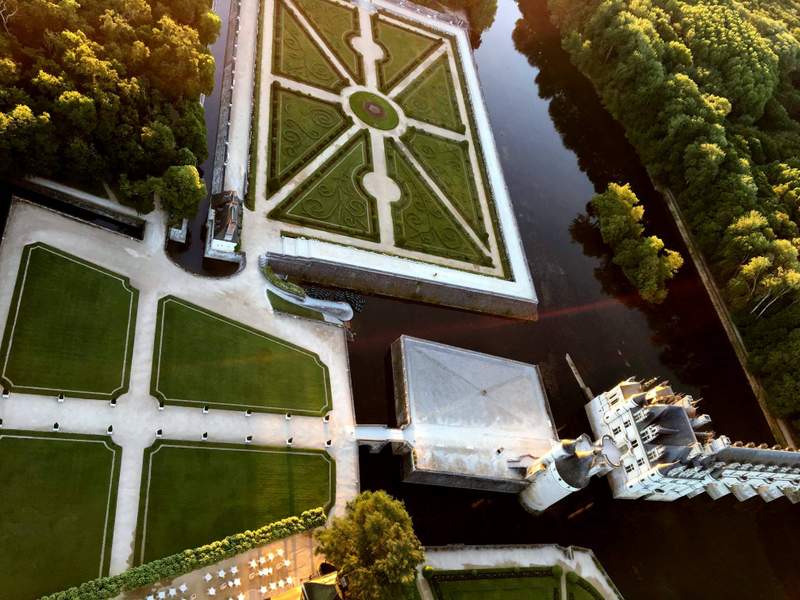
558, 146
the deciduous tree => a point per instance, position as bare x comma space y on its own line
374, 547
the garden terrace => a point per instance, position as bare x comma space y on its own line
531, 583
185, 484
201, 358
379, 169
58, 501
70, 328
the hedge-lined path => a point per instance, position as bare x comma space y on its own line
136, 416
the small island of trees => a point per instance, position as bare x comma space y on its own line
709, 95
644, 260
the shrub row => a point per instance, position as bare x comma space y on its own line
190, 560
250, 196
283, 284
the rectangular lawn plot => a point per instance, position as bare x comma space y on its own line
70, 327
58, 494
196, 493
498, 588
202, 358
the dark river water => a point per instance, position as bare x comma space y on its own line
558, 146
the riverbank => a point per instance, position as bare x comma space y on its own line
558, 146
780, 429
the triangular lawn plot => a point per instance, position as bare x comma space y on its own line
337, 25
296, 56
403, 50
301, 128
421, 222
448, 164
333, 198
431, 97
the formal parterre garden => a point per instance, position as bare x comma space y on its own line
532, 583
204, 359
70, 327
70, 331
372, 121
193, 493
58, 496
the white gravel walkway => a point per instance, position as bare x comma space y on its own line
136, 417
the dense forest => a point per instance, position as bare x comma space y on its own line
107, 90
709, 94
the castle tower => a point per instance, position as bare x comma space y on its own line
667, 452
566, 468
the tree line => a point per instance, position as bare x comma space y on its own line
108, 90
709, 95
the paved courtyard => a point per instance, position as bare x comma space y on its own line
136, 417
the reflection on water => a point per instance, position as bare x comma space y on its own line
558, 146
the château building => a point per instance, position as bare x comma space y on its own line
668, 451
470, 420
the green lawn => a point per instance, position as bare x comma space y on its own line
428, 165
448, 164
301, 128
202, 358
57, 500
337, 25
460, 585
284, 306
580, 589
195, 493
70, 327
421, 221
374, 110
431, 97
403, 51
333, 198
296, 55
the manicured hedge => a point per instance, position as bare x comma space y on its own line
283, 284
250, 196
190, 560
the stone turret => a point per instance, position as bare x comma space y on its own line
566, 468
668, 454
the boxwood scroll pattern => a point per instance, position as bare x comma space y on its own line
421, 222
296, 56
301, 127
431, 97
333, 198
403, 51
337, 25
447, 162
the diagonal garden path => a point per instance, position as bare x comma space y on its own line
136, 416
379, 182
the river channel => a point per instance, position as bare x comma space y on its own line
558, 146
